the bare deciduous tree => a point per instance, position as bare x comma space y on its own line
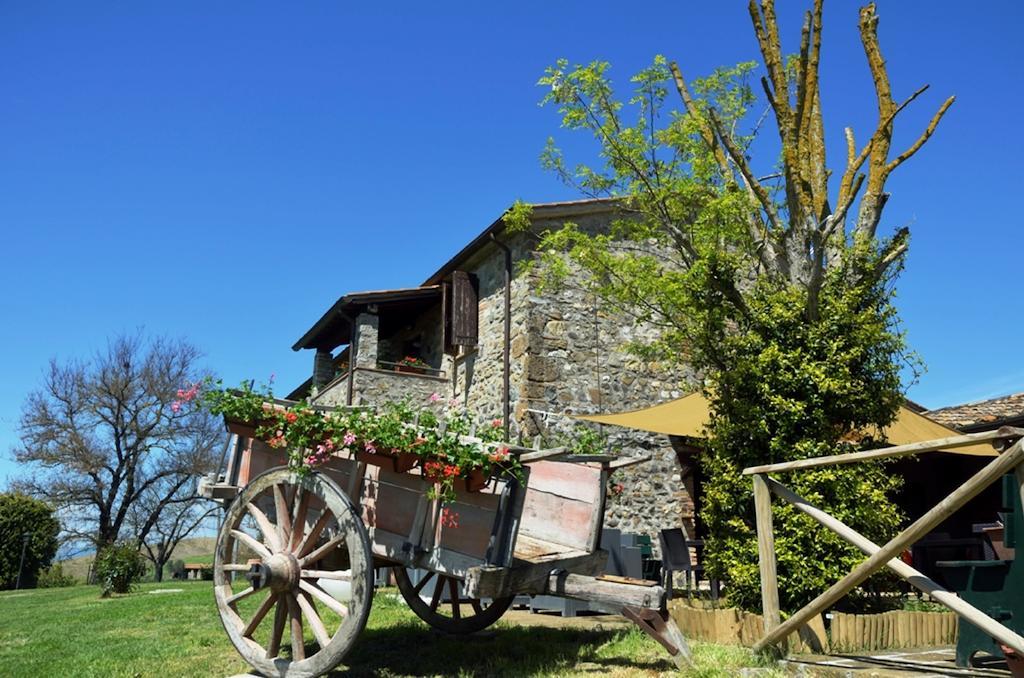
160, 523
104, 437
798, 240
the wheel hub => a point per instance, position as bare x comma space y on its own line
280, 573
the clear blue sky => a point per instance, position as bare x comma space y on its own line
224, 171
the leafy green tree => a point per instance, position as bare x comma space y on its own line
776, 285
22, 515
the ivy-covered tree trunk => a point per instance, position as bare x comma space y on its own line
796, 390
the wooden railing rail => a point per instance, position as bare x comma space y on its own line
878, 556
951, 443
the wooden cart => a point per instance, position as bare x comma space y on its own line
299, 551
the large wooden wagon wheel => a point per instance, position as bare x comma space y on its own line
294, 547
451, 616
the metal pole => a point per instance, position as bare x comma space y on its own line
24, 544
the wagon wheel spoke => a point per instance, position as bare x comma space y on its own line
339, 575
309, 541
239, 596
423, 582
261, 612
458, 620
274, 647
251, 542
299, 519
284, 521
295, 623
324, 597
270, 536
315, 623
319, 553
438, 588
453, 593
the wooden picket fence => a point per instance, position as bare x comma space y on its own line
848, 632
730, 626
892, 630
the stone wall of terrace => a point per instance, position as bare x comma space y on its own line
372, 386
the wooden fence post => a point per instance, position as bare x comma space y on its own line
766, 553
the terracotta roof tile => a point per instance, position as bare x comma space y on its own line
980, 413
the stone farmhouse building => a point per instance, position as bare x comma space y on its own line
495, 342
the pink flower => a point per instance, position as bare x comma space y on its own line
329, 445
175, 406
186, 395
435, 397
349, 438
370, 447
496, 423
449, 518
453, 402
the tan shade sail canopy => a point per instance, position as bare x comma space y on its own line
688, 416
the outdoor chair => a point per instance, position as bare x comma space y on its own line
675, 557
651, 566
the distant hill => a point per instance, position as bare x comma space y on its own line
197, 549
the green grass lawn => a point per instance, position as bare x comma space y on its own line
72, 632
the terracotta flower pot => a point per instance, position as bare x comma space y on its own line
400, 462
243, 429
476, 480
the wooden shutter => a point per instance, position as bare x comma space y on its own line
464, 322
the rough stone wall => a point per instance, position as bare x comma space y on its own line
367, 339
333, 394
377, 386
476, 376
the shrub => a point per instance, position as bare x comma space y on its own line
21, 515
797, 391
118, 567
177, 568
53, 577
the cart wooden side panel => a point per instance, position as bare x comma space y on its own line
405, 526
563, 508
